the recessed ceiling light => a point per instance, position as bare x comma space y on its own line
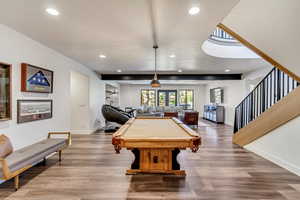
119, 71
180, 70
194, 10
52, 11
172, 56
227, 70
102, 56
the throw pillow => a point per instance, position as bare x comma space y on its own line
5, 146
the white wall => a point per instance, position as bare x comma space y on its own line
130, 95
281, 146
234, 93
16, 48
254, 77
270, 25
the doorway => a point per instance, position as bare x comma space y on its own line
80, 117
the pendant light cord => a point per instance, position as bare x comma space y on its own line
155, 83
155, 60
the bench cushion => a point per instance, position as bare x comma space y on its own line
34, 153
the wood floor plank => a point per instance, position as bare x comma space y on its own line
90, 170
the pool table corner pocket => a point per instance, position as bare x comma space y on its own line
116, 141
196, 144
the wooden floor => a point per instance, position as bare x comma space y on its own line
91, 170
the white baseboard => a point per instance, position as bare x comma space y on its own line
84, 132
278, 161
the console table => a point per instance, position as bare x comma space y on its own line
214, 113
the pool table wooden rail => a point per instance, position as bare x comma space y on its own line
193, 140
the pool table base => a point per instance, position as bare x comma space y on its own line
156, 160
138, 171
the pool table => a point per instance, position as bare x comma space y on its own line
155, 142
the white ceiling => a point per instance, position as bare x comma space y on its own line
218, 49
121, 29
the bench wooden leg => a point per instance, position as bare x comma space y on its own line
59, 155
16, 182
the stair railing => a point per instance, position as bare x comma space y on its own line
274, 86
221, 35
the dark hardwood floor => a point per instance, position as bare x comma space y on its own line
91, 170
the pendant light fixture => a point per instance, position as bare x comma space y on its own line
155, 82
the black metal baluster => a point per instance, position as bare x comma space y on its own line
245, 113
275, 87
254, 104
235, 128
283, 85
252, 107
241, 115
288, 84
263, 96
257, 102
248, 109
271, 89
278, 85
267, 93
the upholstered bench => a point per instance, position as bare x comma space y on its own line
13, 163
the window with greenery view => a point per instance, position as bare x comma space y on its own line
186, 99
167, 98
148, 97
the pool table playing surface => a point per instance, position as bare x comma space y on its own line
155, 142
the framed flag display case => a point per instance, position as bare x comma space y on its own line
5, 92
33, 110
36, 79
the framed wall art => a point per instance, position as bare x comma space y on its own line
33, 110
36, 79
5, 92
217, 95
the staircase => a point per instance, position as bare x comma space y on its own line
273, 102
